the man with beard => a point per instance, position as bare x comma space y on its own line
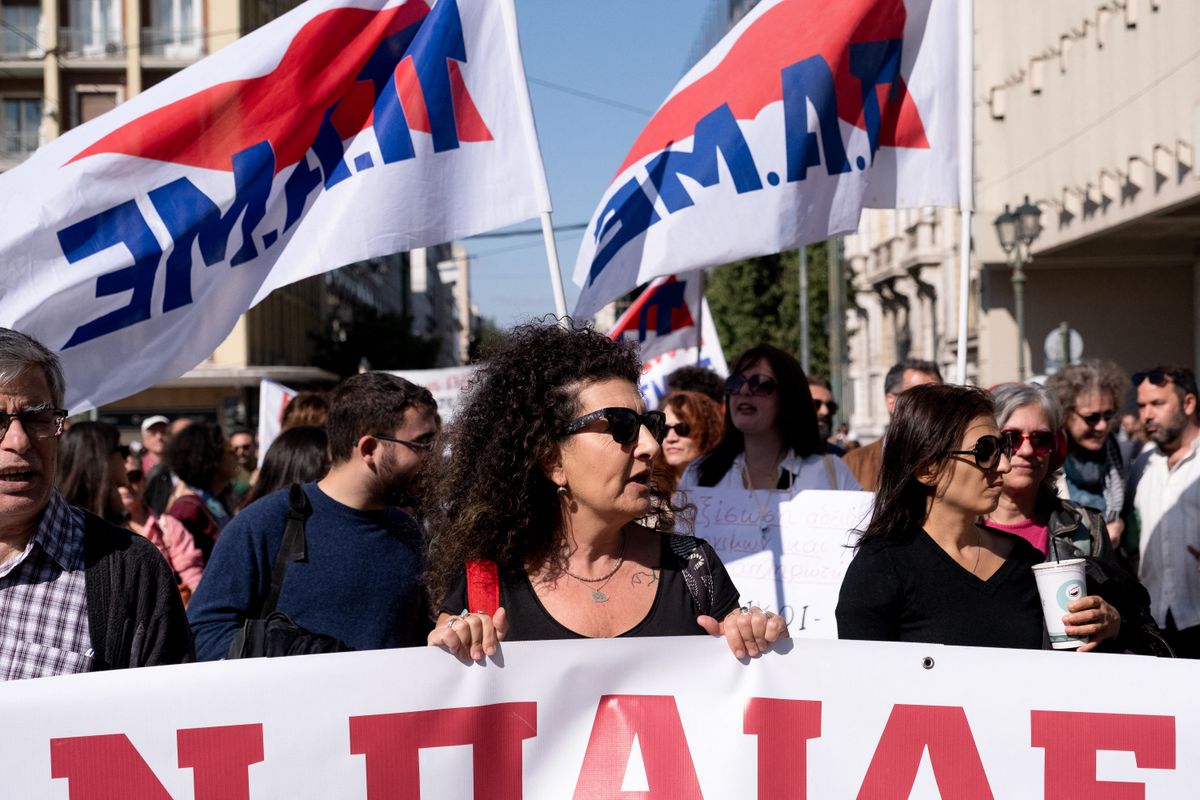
1165, 485
822, 394
360, 579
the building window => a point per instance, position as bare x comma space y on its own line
89, 101
19, 126
94, 28
20, 30
175, 30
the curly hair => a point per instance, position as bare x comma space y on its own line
492, 497
705, 417
1090, 375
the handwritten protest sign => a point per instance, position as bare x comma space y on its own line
786, 555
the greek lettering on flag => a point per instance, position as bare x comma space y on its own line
343, 130
804, 114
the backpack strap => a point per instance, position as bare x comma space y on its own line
697, 572
483, 586
294, 547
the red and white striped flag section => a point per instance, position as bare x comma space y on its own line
804, 114
343, 130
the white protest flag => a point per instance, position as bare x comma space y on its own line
343, 130
804, 114
272, 400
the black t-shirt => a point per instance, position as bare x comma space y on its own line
914, 591
673, 613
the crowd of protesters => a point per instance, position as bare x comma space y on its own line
555, 506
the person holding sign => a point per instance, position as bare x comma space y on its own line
925, 570
771, 439
547, 523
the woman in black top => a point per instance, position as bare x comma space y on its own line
925, 571
549, 482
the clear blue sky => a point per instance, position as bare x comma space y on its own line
632, 52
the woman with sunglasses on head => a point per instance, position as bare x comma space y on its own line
925, 570
547, 523
771, 439
694, 426
1030, 421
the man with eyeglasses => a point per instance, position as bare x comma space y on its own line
822, 395
77, 594
1165, 486
360, 580
865, 462
1094, 473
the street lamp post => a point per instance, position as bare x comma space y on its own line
1017, 231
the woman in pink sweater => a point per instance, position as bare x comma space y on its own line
168, 534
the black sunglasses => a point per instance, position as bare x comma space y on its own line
1162, 376
623, 424
987, 451
38, 423
829, 404
1092, 420
758, 384
682, 430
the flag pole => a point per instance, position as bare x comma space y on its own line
556, 281
966, 172
509, 13
700, 319
805, 354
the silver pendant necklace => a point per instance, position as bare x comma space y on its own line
765, 506
599, 596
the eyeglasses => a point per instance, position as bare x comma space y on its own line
38, 423
238, 447
135, 476
624, 424
831, 406
987, 451
1092, 420
758, 384
1042, 442
682, 430
420, 447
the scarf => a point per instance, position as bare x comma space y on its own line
1098, 481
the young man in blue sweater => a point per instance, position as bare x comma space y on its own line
361, 580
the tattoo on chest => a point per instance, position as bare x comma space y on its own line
644, 578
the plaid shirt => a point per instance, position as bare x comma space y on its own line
43, 603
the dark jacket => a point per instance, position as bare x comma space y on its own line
1079, 532
135, 614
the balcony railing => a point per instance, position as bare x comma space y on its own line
16, 145
102, 41
173, 41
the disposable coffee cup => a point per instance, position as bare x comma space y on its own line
1059, 584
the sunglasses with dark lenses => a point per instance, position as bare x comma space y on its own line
1042, 442
135, 476
682, 429
1162, 377
624, 424
44, 423
987, 451
1092, 420
759, 385
830, 406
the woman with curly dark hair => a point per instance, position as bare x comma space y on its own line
547, 523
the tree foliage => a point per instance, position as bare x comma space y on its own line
757, 300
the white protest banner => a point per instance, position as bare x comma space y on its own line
656, 369
804, 114
660, 719
786, 555
446, 385
272, 400
343, 130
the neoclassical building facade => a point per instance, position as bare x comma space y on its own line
1092, 109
